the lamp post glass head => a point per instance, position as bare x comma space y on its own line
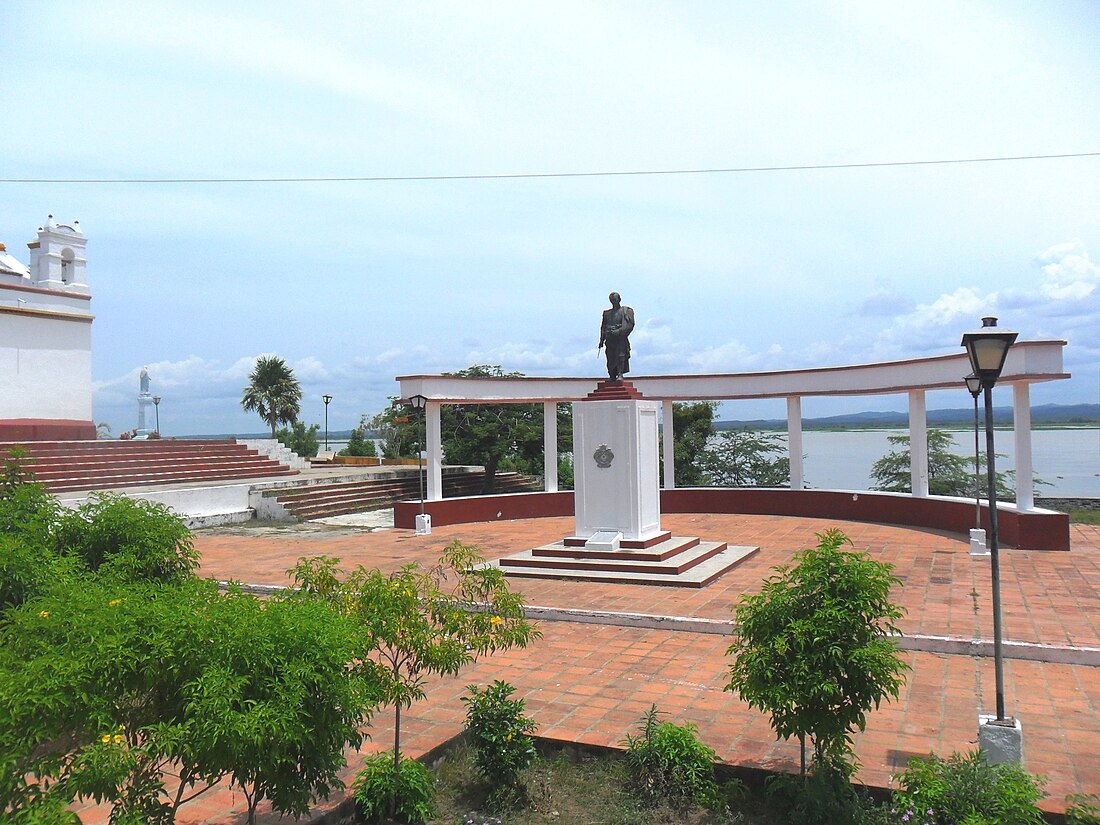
418, 401
974, 385
326, 399
988, 349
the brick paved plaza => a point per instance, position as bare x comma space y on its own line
590, 681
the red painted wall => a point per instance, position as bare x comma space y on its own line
1030, 531
46, 429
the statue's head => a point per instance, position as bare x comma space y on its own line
614, 298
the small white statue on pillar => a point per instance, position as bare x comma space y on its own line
145, 400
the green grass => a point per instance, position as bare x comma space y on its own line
569, 787
1084, 516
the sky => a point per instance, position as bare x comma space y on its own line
356, 282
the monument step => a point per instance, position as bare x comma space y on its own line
686, 553
657, 552
627, 544
700, 575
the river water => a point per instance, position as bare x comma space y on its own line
841, 459
1068, 459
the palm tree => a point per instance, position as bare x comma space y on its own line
273, 392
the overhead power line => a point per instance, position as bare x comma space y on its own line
528, 175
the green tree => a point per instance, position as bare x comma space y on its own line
117, 664
948, 474
26, 507
417, 622
399, 428
744, 458
281, 698
814, 648
300, 439
273, 392
693, 428
492, 434
134, 539
106, 685
358, 443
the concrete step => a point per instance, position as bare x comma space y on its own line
43, 471
344, 497
144, 479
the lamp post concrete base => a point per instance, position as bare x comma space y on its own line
424, 524
1000, 742
977, 543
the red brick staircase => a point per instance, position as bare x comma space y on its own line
344, 497
94, 465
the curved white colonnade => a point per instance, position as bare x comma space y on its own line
1028, 362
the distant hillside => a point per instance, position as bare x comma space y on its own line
1044, 415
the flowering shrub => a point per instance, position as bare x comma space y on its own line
669, 762
374, 788
499, 732
964, 788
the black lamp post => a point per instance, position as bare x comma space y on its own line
156, 409
419, 403
326, 399
988, 348
974, 386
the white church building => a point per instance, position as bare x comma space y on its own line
46, 339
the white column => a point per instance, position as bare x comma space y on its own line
794, 441
435, 451
550, 445
1021, 426
918, 443
668, 443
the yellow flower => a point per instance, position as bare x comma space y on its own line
114, 602
118, 738
43, 614
105, 738
496, 620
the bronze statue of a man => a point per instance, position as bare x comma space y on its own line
615, 329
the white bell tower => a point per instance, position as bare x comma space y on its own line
58, 257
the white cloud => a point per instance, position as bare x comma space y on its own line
1068, 272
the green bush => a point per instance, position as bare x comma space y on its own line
374, 786
27, 509
133, 539
1082, 809
300, 438
965, 789
826, 796
815, 649
499, 732
668, 762
358, 444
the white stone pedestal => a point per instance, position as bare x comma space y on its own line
1000, 742
615, 467
977, 543
423, 524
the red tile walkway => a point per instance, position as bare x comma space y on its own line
590, 683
